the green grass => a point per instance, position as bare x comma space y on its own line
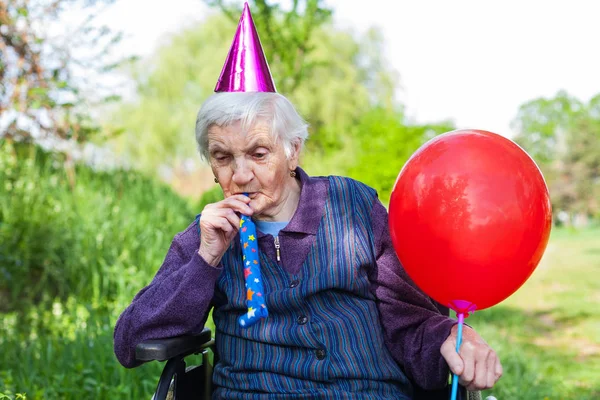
95, 240
71, 258
548, 333
67, 354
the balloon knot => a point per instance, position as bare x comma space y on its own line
462, 307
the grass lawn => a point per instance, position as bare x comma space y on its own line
548, 333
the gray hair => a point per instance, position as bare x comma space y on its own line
227, 108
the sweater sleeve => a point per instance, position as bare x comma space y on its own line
413, 326
176, 302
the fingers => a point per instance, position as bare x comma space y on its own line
498, 371
217, 214
238, 203
221, 219
487, 370
490, 378
477, 365
479, 381
228, 222
467, 353
449, 353
219, 223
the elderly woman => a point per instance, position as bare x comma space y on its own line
344, 320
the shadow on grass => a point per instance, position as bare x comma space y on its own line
533, 371
537, 322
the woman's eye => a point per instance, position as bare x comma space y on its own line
259, 155
221, 158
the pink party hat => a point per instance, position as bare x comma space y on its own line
246, 68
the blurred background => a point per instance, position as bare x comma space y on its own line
99, 169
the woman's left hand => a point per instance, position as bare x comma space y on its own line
477, 366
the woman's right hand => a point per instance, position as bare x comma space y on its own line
219, 223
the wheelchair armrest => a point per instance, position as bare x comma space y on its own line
165, 349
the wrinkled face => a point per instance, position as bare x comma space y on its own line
254, 163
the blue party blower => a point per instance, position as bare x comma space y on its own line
255, 299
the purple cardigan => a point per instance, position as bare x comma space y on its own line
414, 327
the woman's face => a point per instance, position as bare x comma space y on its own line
252, 162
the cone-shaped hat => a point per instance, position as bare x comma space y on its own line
246, 68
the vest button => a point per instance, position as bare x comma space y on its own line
302, 320
294, 283
320, 353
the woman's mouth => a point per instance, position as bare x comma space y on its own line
252, 195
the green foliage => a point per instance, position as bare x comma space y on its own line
562, 134
97, 240
338, 92
71, 259
159, 125
543, 125
65, 352
210, 196
384, 144
10, 396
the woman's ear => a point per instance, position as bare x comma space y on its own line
296, 147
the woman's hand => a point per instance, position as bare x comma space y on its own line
219, 223
478, 367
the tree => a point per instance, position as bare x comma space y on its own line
562, 134
542, 125
43, 87
580, 168
384, 142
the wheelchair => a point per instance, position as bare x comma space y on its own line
179, 382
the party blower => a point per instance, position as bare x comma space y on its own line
470, 218
255, 299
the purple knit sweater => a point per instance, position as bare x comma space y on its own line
180, 296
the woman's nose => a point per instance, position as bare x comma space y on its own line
242, 173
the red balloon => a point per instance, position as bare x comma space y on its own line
470, 218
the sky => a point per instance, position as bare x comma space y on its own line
472, 61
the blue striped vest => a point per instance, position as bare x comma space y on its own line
322, 338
